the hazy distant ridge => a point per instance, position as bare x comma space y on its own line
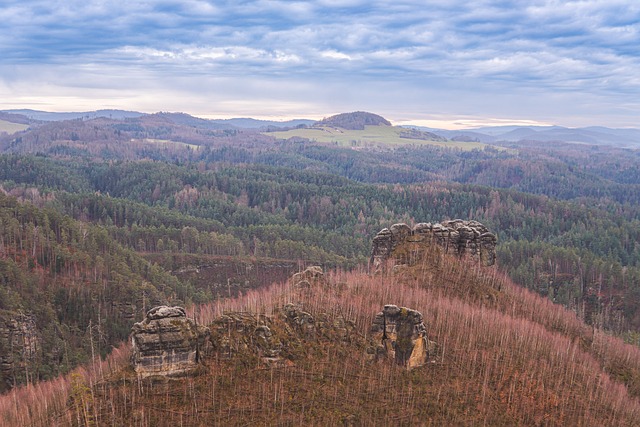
181, 118
52, 117
594, 135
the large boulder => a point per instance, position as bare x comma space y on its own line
405, 245
302, 321
167, 343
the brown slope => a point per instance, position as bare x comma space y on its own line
506, 357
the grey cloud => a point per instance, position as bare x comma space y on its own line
498, 47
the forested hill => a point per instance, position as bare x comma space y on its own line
195, 214
573, 251
354, 121
307, 353
70, 288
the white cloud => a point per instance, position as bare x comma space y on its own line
332, 54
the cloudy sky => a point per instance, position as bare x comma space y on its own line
447, 63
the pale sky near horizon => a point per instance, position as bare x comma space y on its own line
441, 63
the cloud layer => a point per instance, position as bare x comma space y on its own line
566, 62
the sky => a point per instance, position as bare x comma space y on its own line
440, 63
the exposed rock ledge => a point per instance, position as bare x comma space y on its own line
19, 346
167, 343
405, 245
403, 336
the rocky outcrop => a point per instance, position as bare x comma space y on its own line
238, 334
167, 343
308, 278
405, 245
19, 345
303, 322
402, 336
280, 338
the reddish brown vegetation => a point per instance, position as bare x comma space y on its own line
61, 402
506, 357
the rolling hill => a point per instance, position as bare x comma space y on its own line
179, 118
361, 130
10, 127
503, 356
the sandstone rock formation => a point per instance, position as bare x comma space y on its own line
167, 343
302, 321
244, 334
311, 276
402, 336
405, 245
280, 338
19, 344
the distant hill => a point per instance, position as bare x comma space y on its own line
354, 121
594, 135
187, 120
361, 129
54, 117
15, 118
456, 135
231, 124
26, 116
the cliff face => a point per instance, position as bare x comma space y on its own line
19, 345
405, 245
167, 343
403, 336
